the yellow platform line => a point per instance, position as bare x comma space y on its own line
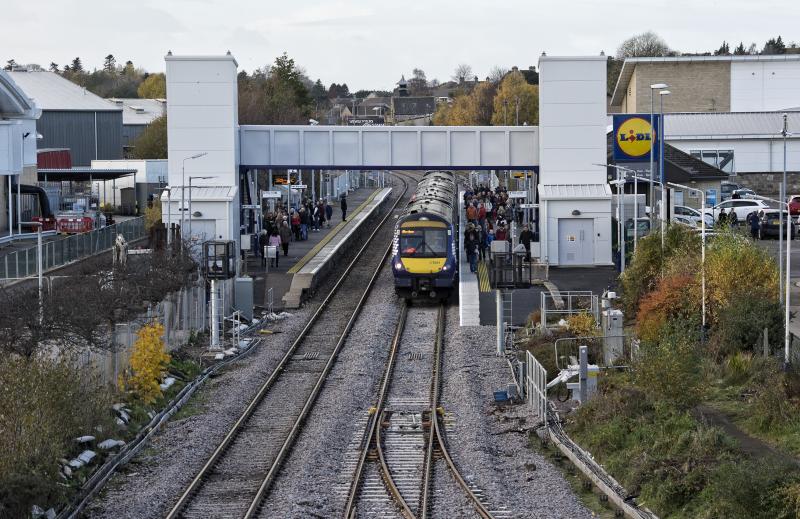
328, 237
483, 277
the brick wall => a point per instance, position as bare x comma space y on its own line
694, 87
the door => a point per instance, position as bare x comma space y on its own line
576, 241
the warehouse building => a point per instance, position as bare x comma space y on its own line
72, 117
137, 114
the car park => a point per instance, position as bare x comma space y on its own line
727, 190
741, 207
794, 204
743, 193
690, 213
769, 223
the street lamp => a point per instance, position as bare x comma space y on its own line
190, 200
183, 183
783, 194
653, 88
663, 211
787, 283
635, 199
38, 226
702, 238
169, 215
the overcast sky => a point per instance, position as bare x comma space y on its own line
370, 43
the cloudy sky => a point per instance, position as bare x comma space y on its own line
370, 43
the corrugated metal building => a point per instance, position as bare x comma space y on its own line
72, 117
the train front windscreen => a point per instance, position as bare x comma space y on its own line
423, 242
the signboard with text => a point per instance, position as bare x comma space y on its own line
633, 137
270, 194
517, 194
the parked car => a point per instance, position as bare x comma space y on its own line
794, 204
769, 220
741, 207
727, 190
692, 214
744, 193
686, 220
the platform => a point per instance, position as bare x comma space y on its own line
309, 254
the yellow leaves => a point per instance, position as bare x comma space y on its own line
147, 362
152, 214
515, 93
582, 324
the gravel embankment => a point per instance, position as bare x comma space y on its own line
484, 442
150, 484
317, 471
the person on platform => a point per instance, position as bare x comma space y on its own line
286, 235
525, 238
263, 237
328, 212
275, 241
343, 205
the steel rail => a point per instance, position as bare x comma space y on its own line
427, 474
230, 437
373, 434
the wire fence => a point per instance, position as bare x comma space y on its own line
57, 253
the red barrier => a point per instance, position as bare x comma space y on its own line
75, 225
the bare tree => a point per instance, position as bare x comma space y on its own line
497, 73
418, 84
646, 44
462, 72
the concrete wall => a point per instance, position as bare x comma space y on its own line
768, 184
696, 87
572, 120
764, 85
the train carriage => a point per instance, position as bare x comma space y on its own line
424, 252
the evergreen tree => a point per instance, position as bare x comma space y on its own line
54, 67
740, 50
723, 50
77, 66
110, 64
10, 64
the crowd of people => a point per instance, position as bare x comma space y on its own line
283, 226
489, 215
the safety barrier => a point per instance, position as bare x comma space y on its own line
57, 253
536, 386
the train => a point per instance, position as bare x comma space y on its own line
425, 244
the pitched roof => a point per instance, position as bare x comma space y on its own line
140, 111
414, 105
53, 92
726, 125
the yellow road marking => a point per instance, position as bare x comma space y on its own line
483, 277
328, 237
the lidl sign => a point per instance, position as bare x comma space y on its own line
634, 137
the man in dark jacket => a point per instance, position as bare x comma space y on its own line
755, 225
525, 238
328, 212
344, 208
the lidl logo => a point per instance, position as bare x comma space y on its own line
633, 136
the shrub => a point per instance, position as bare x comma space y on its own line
673, 298
740, 325
152, 214
148, 360
582, 324
44, 405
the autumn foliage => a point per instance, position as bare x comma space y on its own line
674, 297
148, 360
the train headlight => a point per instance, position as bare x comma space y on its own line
399, 266
446, 267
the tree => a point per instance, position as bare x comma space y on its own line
128, 69
152, 143
154, 87
462, 72
531, 76
54, 67
774, 46
77, 66
740, 50
723, 50
646, 44
148, 360
516, 101
10, 64
497, 73
482, 98
110, 64
418, 84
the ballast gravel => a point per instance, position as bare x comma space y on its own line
485, 441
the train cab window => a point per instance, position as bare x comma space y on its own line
423, 243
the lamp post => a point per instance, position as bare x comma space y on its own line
635, 198
38, 226
702, 238
786, 281
620, 182
183, 184
169, 215
653, 88
663, 211
783, 194
190, 200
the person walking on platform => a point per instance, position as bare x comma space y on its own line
262, 243
296, 225
343, 205
275, 241
286, 235
525, 238
303, 223
328, 212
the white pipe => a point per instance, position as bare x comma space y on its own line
214, 316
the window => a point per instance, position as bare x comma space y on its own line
722, 159
423, 243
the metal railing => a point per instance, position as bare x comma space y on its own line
536, 386
561, 305
60, 252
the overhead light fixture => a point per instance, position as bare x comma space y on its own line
576, 212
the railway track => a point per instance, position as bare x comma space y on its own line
404, 438
237, 477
